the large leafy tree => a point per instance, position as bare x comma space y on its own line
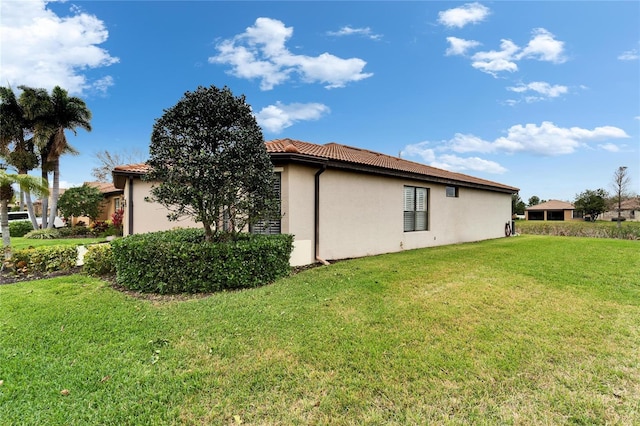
26, 183
83, 200
591, 202
517, 205
209, 159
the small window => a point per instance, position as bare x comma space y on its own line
452, 191
416, 202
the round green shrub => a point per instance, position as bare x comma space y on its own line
181, 261
98, 260
43, 234
19, 228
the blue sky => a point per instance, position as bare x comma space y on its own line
544, 96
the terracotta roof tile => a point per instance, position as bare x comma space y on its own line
359, 156
140, 168
354, 156
104, 187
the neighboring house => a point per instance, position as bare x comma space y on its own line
341, 202
629, 210
113, 200
551, 210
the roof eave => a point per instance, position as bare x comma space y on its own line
120, 177
279, 158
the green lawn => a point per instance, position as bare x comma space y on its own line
524, 330
18, 243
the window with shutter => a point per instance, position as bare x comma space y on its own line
273, 226
416, 202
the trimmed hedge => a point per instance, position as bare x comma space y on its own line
20, 228
598, 229
180, 261
45, 259
98, 260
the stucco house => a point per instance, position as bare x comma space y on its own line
112, 201
550, 210
629, 210
342, 202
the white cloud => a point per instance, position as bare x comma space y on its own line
347, 31
549, 139
469, 164
495, 61
470, 13
610, 147
278, 117
544, 47
66, 184
42, 49
260, 52
469, 143
546, 139
629, 55
421, 150
543, 89
459, 46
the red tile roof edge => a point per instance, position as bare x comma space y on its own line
350, 156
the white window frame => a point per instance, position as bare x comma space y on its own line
416, 209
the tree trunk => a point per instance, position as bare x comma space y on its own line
45, 200
4, 225
54, 194
32, 214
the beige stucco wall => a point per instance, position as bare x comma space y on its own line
297, 186
362, 214
147, 216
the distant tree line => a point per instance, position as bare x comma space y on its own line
591, 203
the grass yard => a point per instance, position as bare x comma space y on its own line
18, 243
525, 330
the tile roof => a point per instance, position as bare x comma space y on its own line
351, 157
104, 187
552, 205
631, 204
140, 168
363, 157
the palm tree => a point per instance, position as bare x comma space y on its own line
26, 183
50, 116
36, 105
67, 113
18, 151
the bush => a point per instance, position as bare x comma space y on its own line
43, 234
98, 227
74, 231
98, 260
44, 259
19, 228
180, 261
597, 229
